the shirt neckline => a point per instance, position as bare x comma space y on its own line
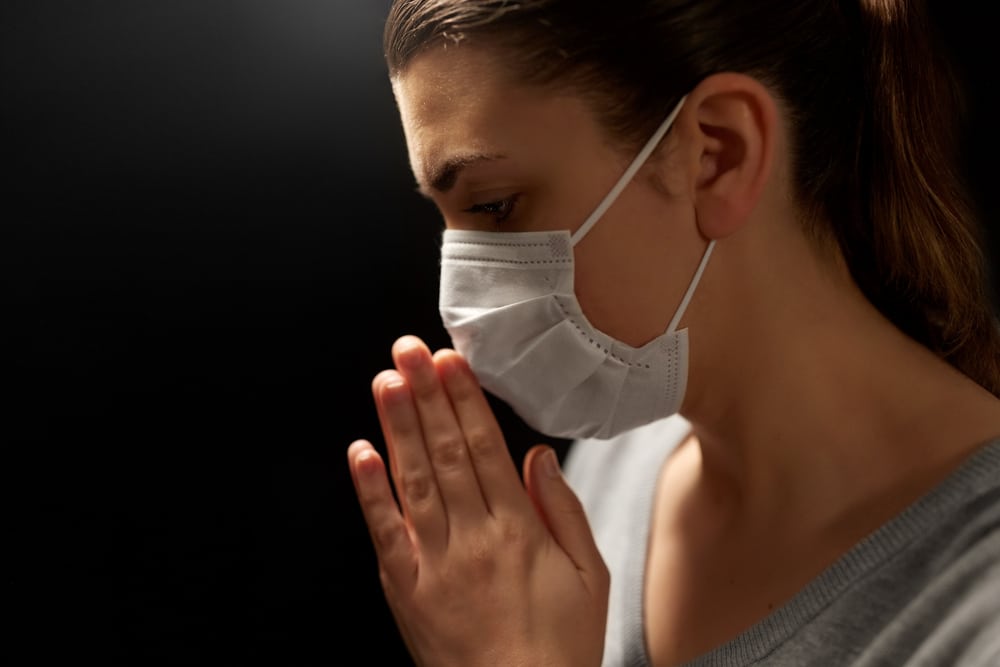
975, 476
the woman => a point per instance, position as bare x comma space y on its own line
723, 246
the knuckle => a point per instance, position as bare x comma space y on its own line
386, 537
480, 442
448, 451
481, 555
478, 558
513, 534
418, 489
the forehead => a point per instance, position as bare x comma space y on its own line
458, 101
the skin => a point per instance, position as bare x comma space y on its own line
815, 420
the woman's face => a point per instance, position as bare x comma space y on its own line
495, 155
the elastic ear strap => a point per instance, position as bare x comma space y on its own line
639, 160
690, 290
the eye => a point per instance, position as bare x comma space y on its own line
499, 210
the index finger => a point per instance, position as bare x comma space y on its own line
498, 476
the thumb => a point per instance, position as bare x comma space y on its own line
561, 509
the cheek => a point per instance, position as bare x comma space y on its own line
628, 276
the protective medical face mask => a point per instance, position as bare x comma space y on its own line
508, 303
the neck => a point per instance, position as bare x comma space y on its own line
819, 404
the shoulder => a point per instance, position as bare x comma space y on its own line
949, 575
964, 603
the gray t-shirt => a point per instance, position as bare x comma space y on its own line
923, 589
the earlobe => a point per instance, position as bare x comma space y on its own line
736, 123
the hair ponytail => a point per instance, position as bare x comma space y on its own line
916, 251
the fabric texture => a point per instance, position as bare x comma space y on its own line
922, 590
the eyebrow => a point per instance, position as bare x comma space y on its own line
443, 177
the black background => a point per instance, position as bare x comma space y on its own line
210, 240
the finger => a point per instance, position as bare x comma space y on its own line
445, 441
383, 378
498, 477
411, 470
393, 547
564, 515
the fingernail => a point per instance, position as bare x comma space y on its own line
366, 462
550, 464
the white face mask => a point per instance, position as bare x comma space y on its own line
507, 301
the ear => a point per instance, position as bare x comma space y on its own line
728, 128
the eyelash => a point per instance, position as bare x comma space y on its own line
496, 208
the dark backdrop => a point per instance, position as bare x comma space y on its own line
210, 239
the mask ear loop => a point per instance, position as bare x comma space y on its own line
639, 160
690, 290
626, 178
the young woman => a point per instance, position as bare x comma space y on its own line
723, 246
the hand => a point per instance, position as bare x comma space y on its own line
476, 568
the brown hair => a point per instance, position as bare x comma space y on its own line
873, 106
